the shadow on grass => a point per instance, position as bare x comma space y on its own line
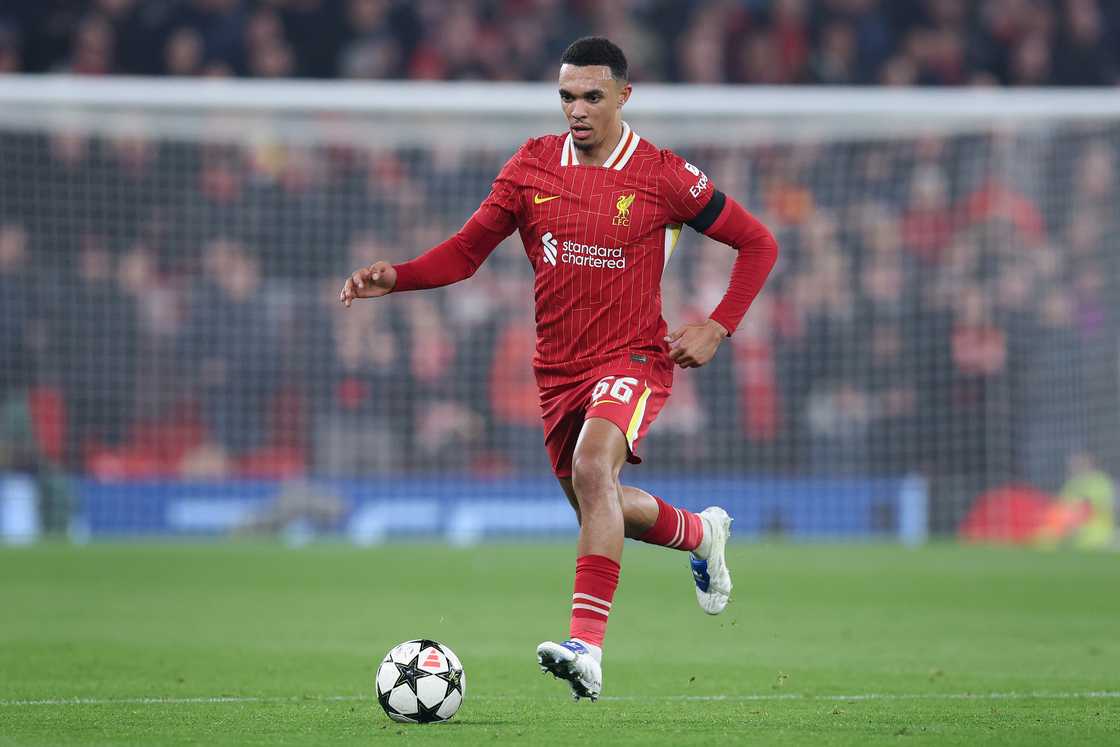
464, 723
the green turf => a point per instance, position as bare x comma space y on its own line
300, 631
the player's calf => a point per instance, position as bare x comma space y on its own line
676, 528
705, 535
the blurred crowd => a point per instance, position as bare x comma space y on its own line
864, 42
942, 305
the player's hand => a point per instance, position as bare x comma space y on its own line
374, 281
694, 344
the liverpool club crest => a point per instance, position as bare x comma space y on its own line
623, 207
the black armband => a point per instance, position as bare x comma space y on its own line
706, 217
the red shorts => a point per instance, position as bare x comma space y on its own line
630, 402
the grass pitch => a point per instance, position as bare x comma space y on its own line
259, 644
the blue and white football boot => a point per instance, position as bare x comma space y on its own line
575, 661
709, 566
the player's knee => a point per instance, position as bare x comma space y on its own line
594, 478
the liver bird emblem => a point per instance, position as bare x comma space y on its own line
623, 206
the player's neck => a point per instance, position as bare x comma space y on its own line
599, 155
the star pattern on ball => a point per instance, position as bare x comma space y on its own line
427, 715
453, 677
408, 673
383, 700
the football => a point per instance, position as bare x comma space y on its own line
420, 682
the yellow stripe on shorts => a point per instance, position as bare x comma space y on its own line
636, 420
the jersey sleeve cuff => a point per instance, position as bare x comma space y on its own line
406, 278
722, 320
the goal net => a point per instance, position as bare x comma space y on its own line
936, 350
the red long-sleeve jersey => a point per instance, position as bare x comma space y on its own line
599, 238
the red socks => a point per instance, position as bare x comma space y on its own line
675, 527
597, 575
596, 580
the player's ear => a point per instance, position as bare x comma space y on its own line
624, 94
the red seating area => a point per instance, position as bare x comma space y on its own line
158, 448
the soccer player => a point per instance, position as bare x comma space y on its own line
599, 211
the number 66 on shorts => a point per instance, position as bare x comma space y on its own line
629, 402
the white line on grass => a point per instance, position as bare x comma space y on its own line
182, 701
855, 697
878, 696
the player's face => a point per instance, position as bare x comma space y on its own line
592, 102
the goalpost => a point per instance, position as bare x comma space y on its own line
936, 351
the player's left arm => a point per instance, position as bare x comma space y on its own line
719, 217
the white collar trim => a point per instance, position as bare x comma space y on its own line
617, 160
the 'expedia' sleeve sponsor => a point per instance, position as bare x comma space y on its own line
685, 189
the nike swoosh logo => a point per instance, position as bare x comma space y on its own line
539, 198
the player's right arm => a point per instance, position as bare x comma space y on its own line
456, 259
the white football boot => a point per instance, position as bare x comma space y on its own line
709, 566
575, 661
